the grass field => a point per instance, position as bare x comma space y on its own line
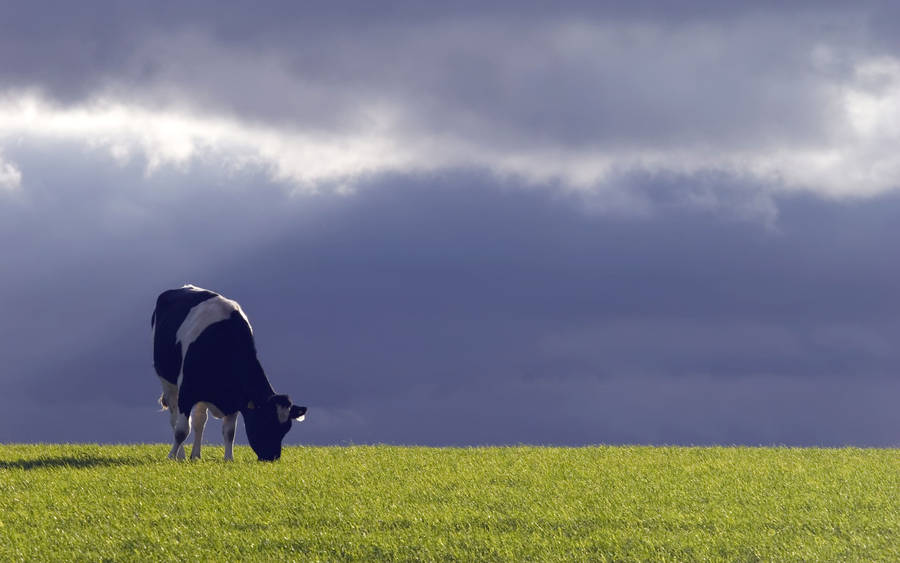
67, 502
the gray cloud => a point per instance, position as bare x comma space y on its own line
796, 97
575, 76
571, 77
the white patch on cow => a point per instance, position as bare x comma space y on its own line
199, 318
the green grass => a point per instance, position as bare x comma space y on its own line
67, 502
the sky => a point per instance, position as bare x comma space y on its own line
458, 225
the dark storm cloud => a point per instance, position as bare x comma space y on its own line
456, 310
494, 316
582, 74
795, 96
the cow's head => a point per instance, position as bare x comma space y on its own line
267, 424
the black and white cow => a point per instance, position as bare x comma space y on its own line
205, 357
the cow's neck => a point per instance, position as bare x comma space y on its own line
258, 387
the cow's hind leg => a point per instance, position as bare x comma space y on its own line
229, 423
198, 421
181, 430
169, 400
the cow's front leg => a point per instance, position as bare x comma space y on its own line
198, 421
229, 423
181, 433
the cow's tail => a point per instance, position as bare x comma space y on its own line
162, 402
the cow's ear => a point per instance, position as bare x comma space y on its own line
298, 413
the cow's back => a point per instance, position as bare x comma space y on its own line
172, 308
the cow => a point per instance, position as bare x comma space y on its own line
205, 357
